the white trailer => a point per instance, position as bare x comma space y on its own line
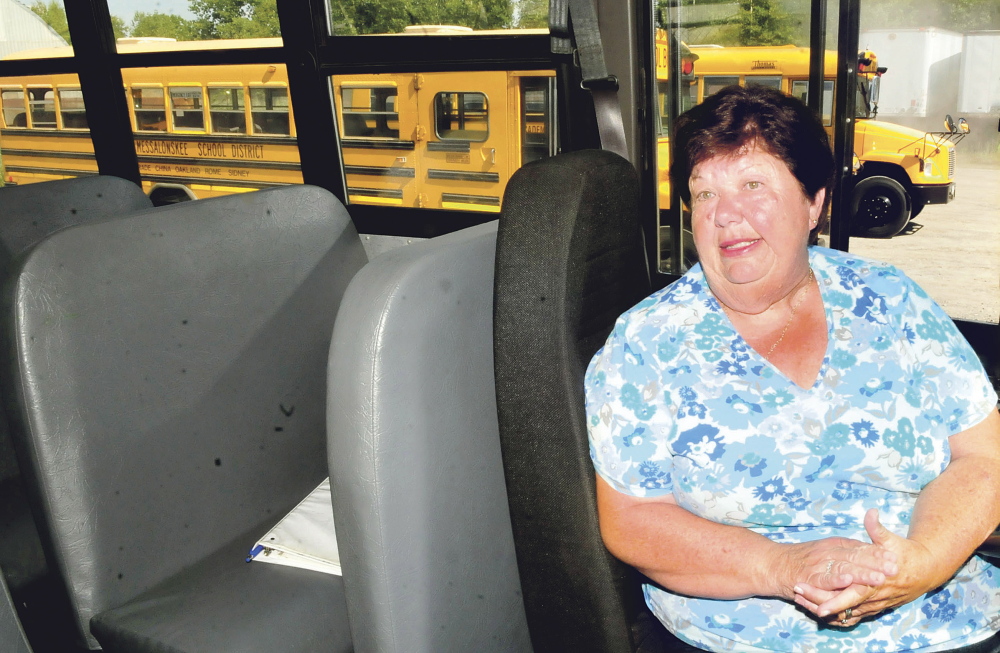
923, 70
979, 85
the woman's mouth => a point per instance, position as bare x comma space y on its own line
737, 247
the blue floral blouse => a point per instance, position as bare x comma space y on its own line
678, 403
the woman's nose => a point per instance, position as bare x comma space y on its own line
727, 210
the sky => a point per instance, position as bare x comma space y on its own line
125, 9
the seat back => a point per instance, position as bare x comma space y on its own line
29, 213
565, 269
169, 374
12, 639
419, 500
33, 211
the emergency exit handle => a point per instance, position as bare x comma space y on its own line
491, 154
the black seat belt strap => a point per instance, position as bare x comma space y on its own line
579, 19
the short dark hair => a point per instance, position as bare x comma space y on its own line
737, 116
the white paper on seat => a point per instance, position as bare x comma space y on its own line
305, 537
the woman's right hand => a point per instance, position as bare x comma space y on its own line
833, 563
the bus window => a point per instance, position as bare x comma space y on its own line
800, 89
369, 112
42, 106
461, 116
71, 108
761, 80
227, 110
187, 106
715, 83
150, 111
12, 100
537, 119
269, 110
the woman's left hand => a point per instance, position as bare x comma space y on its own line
914, 561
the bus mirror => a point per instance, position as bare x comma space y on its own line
881, 70
873, 87
949, 124
963, 125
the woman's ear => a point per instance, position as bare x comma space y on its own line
816, 207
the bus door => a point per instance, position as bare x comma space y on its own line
378, 135
464, 149
535, 121
800, 88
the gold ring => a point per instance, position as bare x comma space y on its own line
847, 615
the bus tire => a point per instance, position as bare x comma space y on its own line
880, 207
167, 194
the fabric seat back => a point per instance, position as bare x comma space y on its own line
569, 261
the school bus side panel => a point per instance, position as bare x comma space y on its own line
377, 119
464, 141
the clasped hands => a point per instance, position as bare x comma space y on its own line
842, 581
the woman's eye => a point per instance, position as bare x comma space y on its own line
753, 185
703, 195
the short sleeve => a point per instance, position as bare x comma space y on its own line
953, 386
627, 417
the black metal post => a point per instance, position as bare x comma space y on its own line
304, 30
817, 55
843, 141
103, 89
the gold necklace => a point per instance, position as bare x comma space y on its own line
795, 307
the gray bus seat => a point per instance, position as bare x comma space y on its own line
29, 213
12, 639
419, 500
169, 371
565, 270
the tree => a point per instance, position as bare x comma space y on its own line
118, 25
234, 19
532, 13
54, 15
391, 16
762, 22
162, 25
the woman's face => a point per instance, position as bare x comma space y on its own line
751, 224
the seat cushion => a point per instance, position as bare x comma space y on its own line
226, 605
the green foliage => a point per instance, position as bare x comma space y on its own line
235, 19
762, 22
119, 27
162, 25
391, 16
53, 14
532, 13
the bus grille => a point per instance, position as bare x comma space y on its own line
951, 163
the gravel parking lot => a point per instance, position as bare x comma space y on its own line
953, 250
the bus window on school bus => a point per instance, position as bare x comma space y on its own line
32, 111
445, 140
205, 131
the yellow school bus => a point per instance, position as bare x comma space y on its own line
442, 140
200, 131
687, 65
439, 140
902, 169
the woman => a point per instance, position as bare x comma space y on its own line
794, 444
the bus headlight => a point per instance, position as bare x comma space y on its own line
928, 168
